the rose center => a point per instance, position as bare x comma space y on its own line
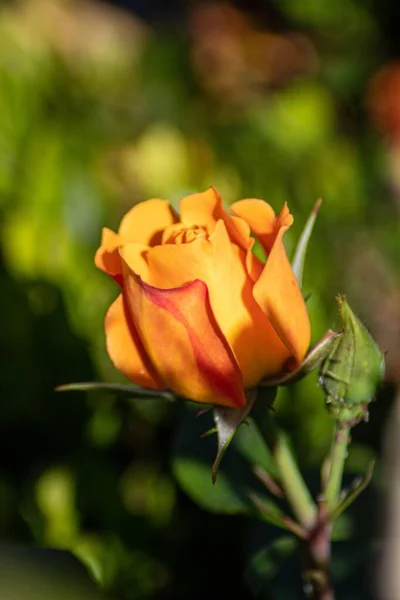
183, 234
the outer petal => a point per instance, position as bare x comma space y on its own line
145, 222
107, 256
262, 220
125, 348
180, 334
257, 347
206, 208
223, 267
278, 294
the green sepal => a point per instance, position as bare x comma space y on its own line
119, 389
358, 486
302, 245
314, 357
227, 420
352, 371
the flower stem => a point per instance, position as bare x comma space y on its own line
317, 553
296, 491
290, 478
317, 546
337, 459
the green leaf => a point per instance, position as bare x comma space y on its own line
192, 459
301, 249
267, 563
251, 445
43, 574
119, 389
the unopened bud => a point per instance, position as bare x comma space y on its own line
352, 371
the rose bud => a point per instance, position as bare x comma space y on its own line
352, 370
198, 312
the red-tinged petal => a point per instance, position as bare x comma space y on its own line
125, 348
262, 220
223, 267
183, 340
278, 294
107, 257
206, 208
145, 222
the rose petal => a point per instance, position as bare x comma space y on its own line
107, 256
172, 265
276, 290
206, 208
262, 220
134, 255
223, 267
180, 334
257, 347
254, 266
279, 296
145, 222
125, 348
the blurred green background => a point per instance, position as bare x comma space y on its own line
102, 106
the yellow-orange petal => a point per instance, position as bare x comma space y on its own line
134, 255
183, 340
107, 256
257, 347
206, 208
262, 220
254, 266
278, 294
284, 219
223, 266
125, 349
172, 266
146, 221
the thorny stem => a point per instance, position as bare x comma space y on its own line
317, 557
317, 576
315, 520
317, 542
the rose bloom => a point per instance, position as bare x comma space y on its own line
198, 312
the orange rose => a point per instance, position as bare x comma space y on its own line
198, 313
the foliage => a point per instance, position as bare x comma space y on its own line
100, 109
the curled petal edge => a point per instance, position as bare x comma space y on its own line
195, 361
